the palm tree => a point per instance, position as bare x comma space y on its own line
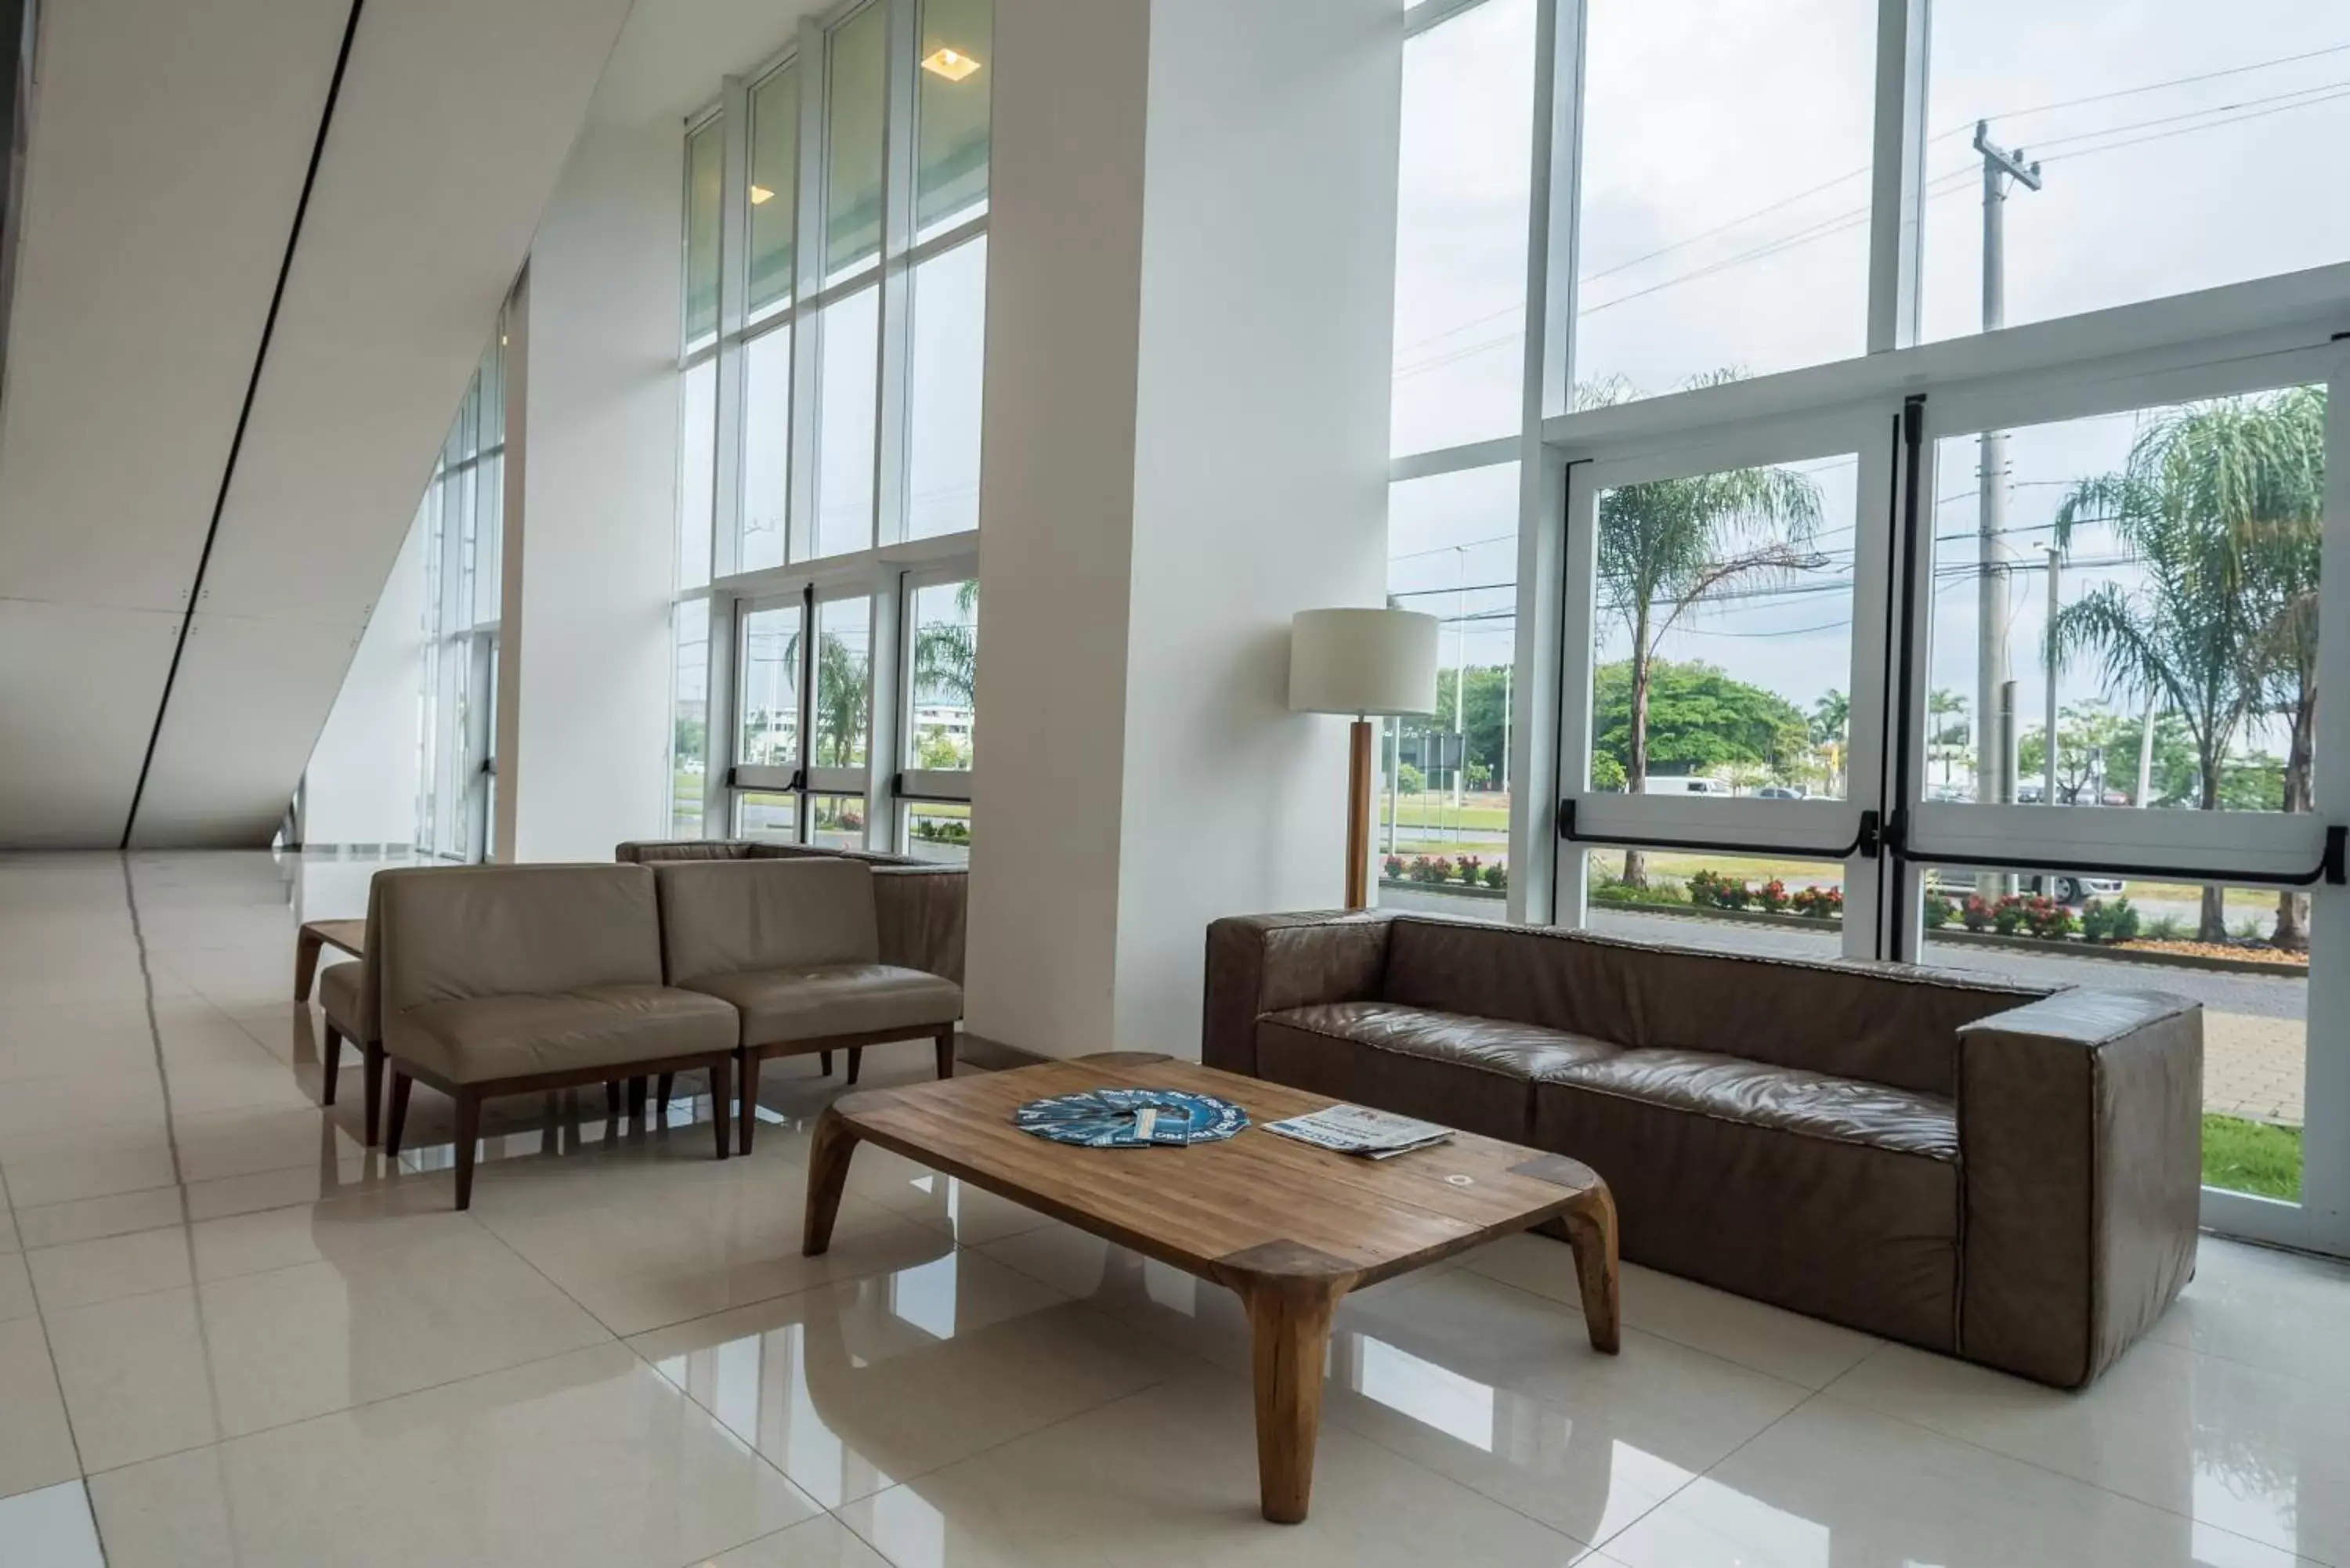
1831, 719
946, 652
2201, 504
2278, 544
1669, 545
1943, 703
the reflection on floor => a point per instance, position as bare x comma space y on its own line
261, 1344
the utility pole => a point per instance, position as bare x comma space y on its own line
2048, 772
1995, 764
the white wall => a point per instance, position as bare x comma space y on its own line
361, 785
1190, 293
586, 632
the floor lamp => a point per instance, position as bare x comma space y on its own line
1362, 662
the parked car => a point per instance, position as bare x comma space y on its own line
2067, 888
1682, 784
1778, 792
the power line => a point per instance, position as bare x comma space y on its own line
1968, 124
2189, 130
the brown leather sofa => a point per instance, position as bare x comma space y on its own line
794, 947
498, 980
2005, 1173
921, 905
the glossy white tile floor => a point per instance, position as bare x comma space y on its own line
231, 1335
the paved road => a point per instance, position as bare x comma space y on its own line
2257, 995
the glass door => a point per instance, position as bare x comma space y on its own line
769, 774
2115, 775
1720, 736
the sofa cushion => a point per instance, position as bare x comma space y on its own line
1890, 1023
478, 1039
1475, 1074
817, 1002
448, 932
1828, 1196
731, 917
344, 997
1732, 1088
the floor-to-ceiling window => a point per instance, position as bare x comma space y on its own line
1901, 444
463, 520
834, 271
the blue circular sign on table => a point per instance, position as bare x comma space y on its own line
1131, 1118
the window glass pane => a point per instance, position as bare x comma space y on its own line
704, 155
770, 698
843, 682
2179, 144
767, 817
775, 186
690, 718
1445, 788
837, 821
848, 414
2109, 934
2185, 548
941, 729
766, 448
951, 110
1461, 242
939, 833
1725, 189
1724, 633
697, 474
1773, 905
853, 160
950, 325
489, 501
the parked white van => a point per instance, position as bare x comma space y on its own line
1681, 783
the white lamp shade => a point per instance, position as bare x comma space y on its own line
1362, 661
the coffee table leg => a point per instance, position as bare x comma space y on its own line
1290, 1320
1590, 1228
306, 963
827, 1177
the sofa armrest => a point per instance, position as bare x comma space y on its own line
920, 912
2080, 1137
1262, 963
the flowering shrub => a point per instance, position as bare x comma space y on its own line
1393, 866
1819, 903
1470, 865
1978, 914
1497, 877
1772, 895
1704, 886
1939, 911
2103, 922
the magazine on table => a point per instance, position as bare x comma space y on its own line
1360, 1130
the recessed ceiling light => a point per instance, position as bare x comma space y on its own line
760, 194
952, 64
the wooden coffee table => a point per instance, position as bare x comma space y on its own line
1289, 1227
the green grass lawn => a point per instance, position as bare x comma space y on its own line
2252, 1156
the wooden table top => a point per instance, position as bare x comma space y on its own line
1256, 1205
349, 935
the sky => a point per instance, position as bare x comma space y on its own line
1724, 225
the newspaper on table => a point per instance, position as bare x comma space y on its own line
1360, 1130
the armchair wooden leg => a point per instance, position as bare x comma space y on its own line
721, 1116
946, 1049
636, 1099
372, 1066
661, 1087
401, 1083
824, 1062
468, 1132
306, 962
856, 1060
612, 1100
330, 1057
748, 1089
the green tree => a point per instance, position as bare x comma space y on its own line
1669, 545
1831, 722
946, 653
2087, 737
2200, 489
1940, 704
1700, 719
841, 701
1485, 736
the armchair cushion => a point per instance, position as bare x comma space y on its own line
737, 916
348, 1001
817, 1002
475, 1039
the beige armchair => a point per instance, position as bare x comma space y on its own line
794, 947
499, 979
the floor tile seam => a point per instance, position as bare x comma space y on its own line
1504, 1505
1849, 1404
198, 1282
1706, 1351
355, 1405
1739, 1448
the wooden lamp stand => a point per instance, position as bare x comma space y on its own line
1358, 815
